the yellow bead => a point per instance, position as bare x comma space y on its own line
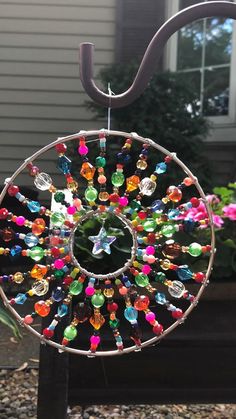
74, 272
103, 196
97, 320
134, 223
165, 264
132, 183
87, 170
2, 250
165, 200
153, 177
141, 164
108, 292
38, 271
18, 278
136, 264
31, 292
72, 186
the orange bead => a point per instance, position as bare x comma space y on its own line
97, 320
141, 302
87, 170
38, 226
188, 181
132, 183
174, 193
38, 271
41, 308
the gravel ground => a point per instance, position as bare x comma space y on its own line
18, 398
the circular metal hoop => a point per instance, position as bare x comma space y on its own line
143, 140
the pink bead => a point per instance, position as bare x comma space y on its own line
54, 240
71, 210
83, 150
102, 179
28, 319
150, 250
95, 340
59, 263
151, 259
146, 269
150, 317
77, 203
89, 291
123, 290
123, 201
20, 221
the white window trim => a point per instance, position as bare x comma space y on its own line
170, 62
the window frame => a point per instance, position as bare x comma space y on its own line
170, 63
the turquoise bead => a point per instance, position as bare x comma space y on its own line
161, 168
62, 310
131, 314
31, 240
33, 206
184, 273
160, 298
20, 298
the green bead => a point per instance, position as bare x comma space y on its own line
160, 277
195, 249
59, 196
91, 194
117, 179
98, 300
59, 273
36, 253
114, 323
57, 219
168, 230
135, 205
100, 161
141, 280
70, 332
149, 224
75, 287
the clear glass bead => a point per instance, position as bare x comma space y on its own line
147, 186
43, 181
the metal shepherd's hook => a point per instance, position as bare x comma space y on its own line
152, 54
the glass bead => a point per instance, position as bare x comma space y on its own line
168, 230
83, 150
160, 298
38, 271
97, 320
117, 179
132, 183
62, 310
171, 249
149, 225
72, 186
141, 302
172, 214
40, 287
114, 324
18, 277
16, 251
20, 298
41, 308
57, 219
98, 300
158, 206
141, 164
147, 186
160, 277
100, 161
174, 193
176, 289
3, 213
135, 205
36, 253
87, 171
59, 197
31, 240
184, 273
160, 168
61, 148
91, 194
43, 181
7, 234
108, 292
75, 287
38, 226
58, 294
33, 206
131, 314
64, 164
165, 264
195, 249
103, 196
142, 280
189, 225
59, 273
82, 312
70, 332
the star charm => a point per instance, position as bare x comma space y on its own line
102, 242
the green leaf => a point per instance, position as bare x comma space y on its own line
230, 243
6, 319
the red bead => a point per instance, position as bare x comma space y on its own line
3, 213
13, 190
55, 251
177, 314
199, 277
168, 159
61, 148
142, 215
41, 308
151, 238
195, 202
67, 280
48, 333
112, 307
141, 302
157, 329
28, 319
114, 197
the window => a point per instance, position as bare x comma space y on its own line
204, 52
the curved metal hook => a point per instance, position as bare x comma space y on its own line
152, 54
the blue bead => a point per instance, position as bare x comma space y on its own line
33, 206
64, 164
62, 310
5, 278
58, 294
161, 168
16, 251
160, 298
189, 225
20, 298
157, 206
184, 273
118, 338
131, 314
31, 240
173, 213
